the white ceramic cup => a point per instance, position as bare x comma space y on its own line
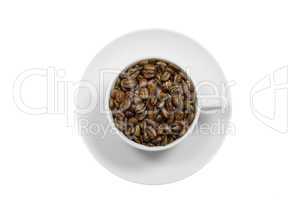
141, 146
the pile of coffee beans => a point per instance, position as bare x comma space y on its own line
153, 102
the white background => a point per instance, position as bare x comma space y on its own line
41, 158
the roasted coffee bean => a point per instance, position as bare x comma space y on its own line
141, 116
153, 102
176, 100
143, 62
137, 100
151, 123
119, 115
152, 87
137, 130
137, 139
175, 89
126, 104
183, 75
117, 95
164, 140
165, 76
168, 105
157, 140
148, 74
177, 78
186, 89
120, 124
159, 118
190, 85
128, 83
170, 69
188, 106
134, 75
142, 83
145, 137
133, 120
164, 129
166, 86
134, 72
129, 114
151, 132
160, 63
170, 117
170, 140
190, 117
179, 115
111, 103
165, 113
129, 131
143, 93
163, 96
151, 114
176, 127
149, 67
149, 71
161, 104
139, 108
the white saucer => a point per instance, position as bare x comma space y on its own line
153, 167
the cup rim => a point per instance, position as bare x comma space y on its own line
141, 146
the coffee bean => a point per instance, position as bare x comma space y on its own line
168, 105
152, 87
137, 100
149, 67
140, 108
179, 115
117, 95
161, 63
159, 118
119, 115
152, 100
142, 83
165, 76
145, 136
128, 83
157, 140
143, 93
141, 116
126, 104
190, 117
137, 139
143, 62
137, 130
161, 104
151, 123
151, 132
164, 129
176, 100
129, 114
119, 124
176, 127
170, 117
175, 89
133, 120
166, 86
111, 103
186, 89
177, 78
165, 113
164, 141
151, 114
